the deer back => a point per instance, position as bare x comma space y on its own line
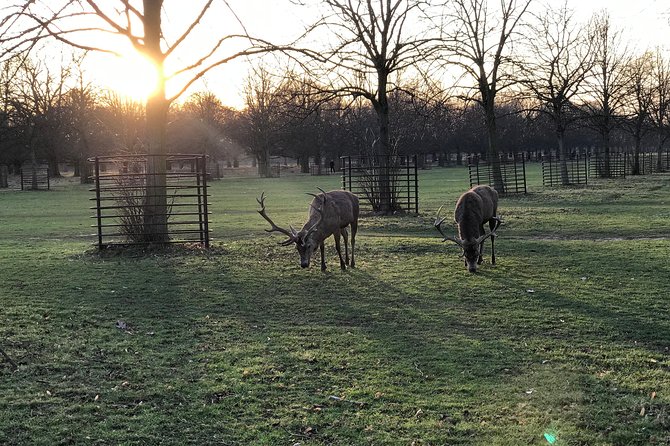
474, 207
340, 210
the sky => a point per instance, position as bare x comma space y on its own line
645, 23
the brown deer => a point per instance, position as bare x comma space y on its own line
474, 208
329, 214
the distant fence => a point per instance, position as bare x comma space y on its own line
35, 176
512, 168
373, 178
121, 195
609, 165
576, 170
649, 162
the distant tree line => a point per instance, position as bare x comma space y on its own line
563, 86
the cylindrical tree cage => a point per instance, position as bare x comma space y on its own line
121, 196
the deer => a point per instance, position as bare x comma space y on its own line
329, 213
474, 208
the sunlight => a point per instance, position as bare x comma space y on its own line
132, 75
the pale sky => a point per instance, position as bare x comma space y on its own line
645, 23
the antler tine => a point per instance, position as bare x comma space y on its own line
313, 227
493, 232
274, 228
438, 225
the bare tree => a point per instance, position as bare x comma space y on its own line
559, 59
309, 130
82, 121
659, 112
605, 89
200, 120
9, 147
37, 108
262, 118
373, 42
74, 22
478, 39
638, 104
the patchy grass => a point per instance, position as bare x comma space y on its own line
567, 336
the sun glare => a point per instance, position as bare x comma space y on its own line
131, 75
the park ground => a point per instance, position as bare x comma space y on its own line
565, 341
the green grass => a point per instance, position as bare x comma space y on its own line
568, 335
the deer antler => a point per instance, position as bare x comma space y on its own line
495, 228
318, 210
438, 225
292, 234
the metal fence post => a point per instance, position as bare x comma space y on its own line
205, 207
98, 211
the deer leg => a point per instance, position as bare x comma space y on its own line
323, 256
354, 228
339, 252
480, 260
345, 235
492, 225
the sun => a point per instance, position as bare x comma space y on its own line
131, 75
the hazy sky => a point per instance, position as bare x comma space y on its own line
644, 22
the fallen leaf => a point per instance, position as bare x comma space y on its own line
121, 325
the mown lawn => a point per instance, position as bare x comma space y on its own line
566, 341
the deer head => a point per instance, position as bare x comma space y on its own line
304, 240
470, 248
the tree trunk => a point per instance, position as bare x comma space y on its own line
4, 176
264, 168
33, 170
303, 161
384, 154
660, 167
494, 158
636, 155
155, 211
84, 171
54, 171
607, 170
563, 157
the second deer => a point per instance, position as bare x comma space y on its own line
475, 207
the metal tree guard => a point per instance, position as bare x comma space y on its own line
120, 197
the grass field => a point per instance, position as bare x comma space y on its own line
565, 341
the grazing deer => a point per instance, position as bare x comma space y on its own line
474, 208
329, 214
